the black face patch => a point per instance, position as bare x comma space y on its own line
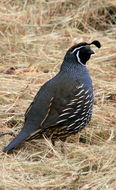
83, 55
82, 51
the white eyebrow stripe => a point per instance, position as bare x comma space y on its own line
77, 49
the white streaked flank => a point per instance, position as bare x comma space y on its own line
71, 125
67, 109
91, 105
91, 95
87, 102
70, 103
78, 126
74, 100
91, 100
78, 106
64, 114
77, 110
83, 113
61, 121
87, 91
80, 101
80, 119
84, 109
89, 111
87, 97
85, 106
80, 97
77, 120
80, 86
79, 92
72, 116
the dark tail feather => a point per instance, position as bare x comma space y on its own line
23, 135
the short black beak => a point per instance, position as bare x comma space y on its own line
91, 52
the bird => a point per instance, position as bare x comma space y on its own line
63, 105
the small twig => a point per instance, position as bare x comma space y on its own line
7, 133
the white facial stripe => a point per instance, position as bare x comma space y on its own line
77, 49
77, 55
79, 58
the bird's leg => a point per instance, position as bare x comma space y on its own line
62, 145
78, 138
62, 148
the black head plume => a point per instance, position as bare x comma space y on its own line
96, 43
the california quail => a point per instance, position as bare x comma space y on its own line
63, 105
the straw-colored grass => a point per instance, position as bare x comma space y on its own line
34, 36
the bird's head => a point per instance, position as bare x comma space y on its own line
82, 51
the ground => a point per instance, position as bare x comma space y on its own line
34, 37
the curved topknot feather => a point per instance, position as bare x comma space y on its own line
96, 43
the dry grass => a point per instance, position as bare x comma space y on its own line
34, 36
